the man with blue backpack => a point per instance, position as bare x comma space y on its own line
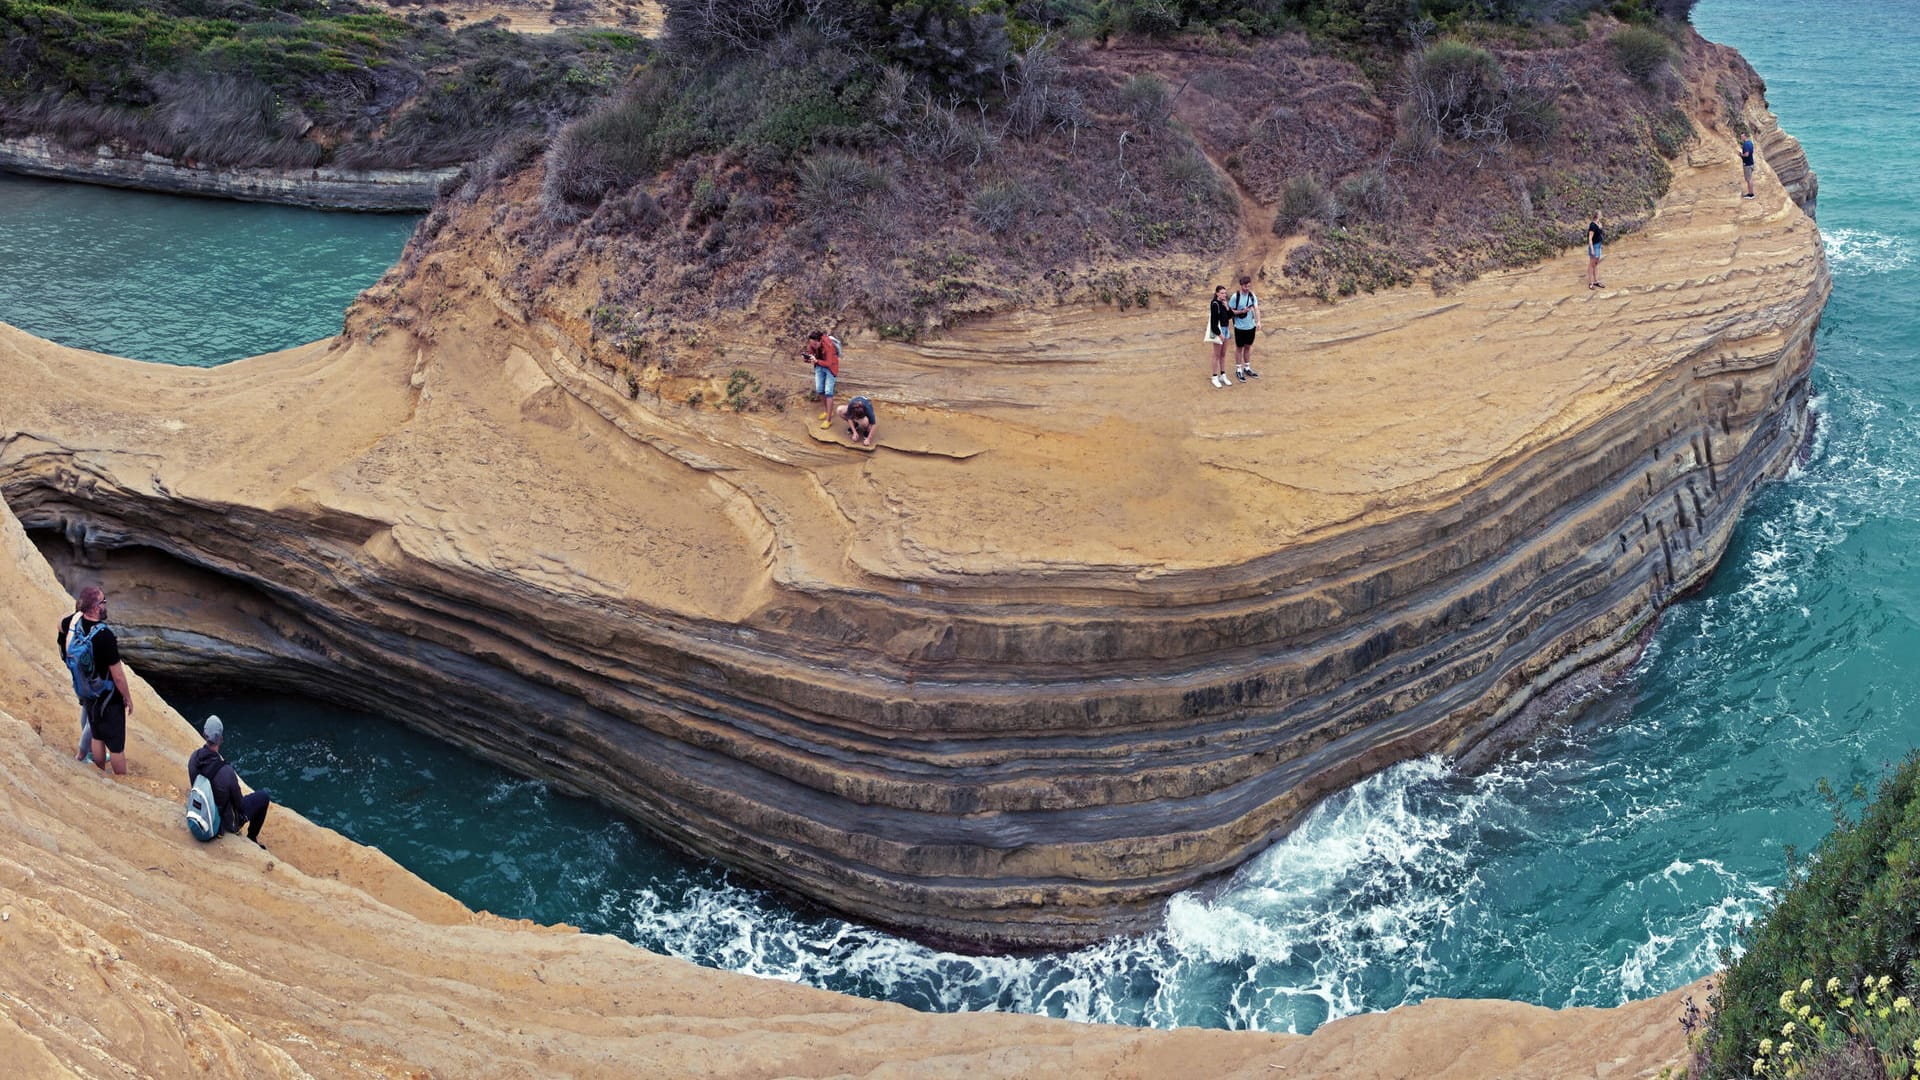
92, 656
214, 802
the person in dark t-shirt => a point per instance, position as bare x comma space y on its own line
1596, 250
105, 714
1746, 165
861, 421
234, 807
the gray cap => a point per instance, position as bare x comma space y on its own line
213, 729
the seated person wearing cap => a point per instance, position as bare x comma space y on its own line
234, 807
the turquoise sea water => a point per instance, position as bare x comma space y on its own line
178, 280
1611, 860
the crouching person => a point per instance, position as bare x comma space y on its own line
231, 807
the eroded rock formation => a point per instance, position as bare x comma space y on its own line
1082, 633
129, 948
322, 188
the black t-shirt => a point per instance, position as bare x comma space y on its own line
106, 647
1595, 234
1221, 316
1746, 151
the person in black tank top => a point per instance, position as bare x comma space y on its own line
1596, 250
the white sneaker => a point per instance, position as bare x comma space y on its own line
1216, 382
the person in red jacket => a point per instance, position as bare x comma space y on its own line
823, 352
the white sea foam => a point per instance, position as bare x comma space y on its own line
1857, 252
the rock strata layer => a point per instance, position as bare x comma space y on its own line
127, 948
320, 188
1071, 640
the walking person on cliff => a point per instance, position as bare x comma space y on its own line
1596, 250
1219, 328
823, 352
1245, 308
1746, 165
92, 656
234, 807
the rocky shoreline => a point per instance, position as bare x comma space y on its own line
384, 190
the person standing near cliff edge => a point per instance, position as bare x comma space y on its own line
1246, 323
1596, 250
1746, 165
823, 352
1219, 328
92, 656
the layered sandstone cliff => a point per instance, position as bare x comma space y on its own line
321, 188
1072, 639
128, 949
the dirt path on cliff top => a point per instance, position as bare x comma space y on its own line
126, 948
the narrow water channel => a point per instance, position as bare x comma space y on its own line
179, 280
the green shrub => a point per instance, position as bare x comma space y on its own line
605, 151
1145, 97
1369, 196
1302, 199
832, 181
1641, 51
1850, 912
1458, 90
1000, 205
1672, 131
1191, 176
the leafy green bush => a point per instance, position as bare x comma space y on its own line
1672, 131
1641, 51
999, 206
1458, 90
1303, 199
1145, 97
1851, 911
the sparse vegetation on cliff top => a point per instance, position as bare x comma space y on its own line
290, 83
905, 166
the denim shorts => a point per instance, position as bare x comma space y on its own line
822, 381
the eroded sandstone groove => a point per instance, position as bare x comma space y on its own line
1067, 644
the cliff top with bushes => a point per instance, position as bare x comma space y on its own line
292, 83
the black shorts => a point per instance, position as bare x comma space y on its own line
108, 716
1243, 338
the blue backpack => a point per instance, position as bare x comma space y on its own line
88, 684
203, 814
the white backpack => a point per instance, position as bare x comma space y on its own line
203, 816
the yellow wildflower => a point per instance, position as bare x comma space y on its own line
1833, 984
1786, 1000
1787, 1028
1759, 1066
1886, 981
1873, 998
1916, 1046
1847, 1002
1806, 986
1903, 1003
1884, 1011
